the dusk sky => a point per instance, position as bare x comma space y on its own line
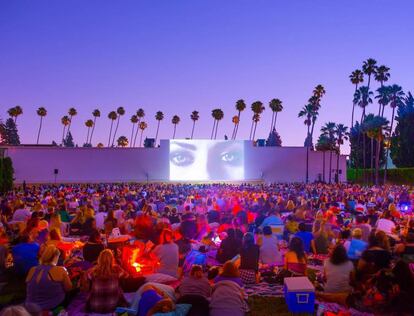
184, 55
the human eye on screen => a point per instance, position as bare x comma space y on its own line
182, 158
231, 158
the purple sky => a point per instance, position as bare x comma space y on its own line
180, 56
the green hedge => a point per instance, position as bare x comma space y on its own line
6, 174
396, 176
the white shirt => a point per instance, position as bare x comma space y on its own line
100, 220
386, 225
21, 215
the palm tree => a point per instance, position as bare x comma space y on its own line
328, 130
175, 120
134, 121
112, 116
315, 101
142, 127
307, 112
341, 133
383, 97
257, 109
356, 77
376, 126
240, 107
42, 112
323, 144
15, 112
72, 112
276, 107
396, 96
217, 115
96, 113
120, 111
100, 145
382, 75
369, 67
159, 116
122, 141
194, 117
88, 124
65, 121
140, 115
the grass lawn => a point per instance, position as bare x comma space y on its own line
268, 306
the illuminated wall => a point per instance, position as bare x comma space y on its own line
180, 160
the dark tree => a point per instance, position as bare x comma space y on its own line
11, 135
274, 139
402, 144
68, 141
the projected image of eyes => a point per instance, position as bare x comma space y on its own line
199, 160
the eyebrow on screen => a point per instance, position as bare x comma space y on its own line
185, 145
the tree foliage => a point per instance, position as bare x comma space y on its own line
6, 174
274, 139
68, 141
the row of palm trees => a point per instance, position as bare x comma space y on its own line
138, 122
386, 95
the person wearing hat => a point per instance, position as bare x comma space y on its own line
356, 246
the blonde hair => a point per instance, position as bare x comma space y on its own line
105, 265
55, 222
49, 254
357, 233
15, 311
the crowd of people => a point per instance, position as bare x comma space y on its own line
199, 246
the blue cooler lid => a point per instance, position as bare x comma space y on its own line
299, 284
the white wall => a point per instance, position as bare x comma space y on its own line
272, 164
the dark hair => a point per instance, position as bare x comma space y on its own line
296, 245
94, 236
212, 273
267, 230
339, 255
248, 240
302, 227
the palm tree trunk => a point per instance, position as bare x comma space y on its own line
237, 127
364, 161
251, 130
383, 109
132, 134
254, 131
377, 155
234, 131
116, 130
63, 135
136, 132
353, 107
192, 130
215, 134
156, 135
38, 133
389, 145
372, 160
175, 127
323, 168
212, 132
140, 139
93, 129
70, 123
87, 135
110, 133
337, 164
271, 124
330, 166
274, 123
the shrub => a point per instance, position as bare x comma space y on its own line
395, 176
6, 174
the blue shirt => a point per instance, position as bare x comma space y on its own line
307, 238
272, 220
356, 248
25, 257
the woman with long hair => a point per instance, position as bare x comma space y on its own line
337, 271
249, 260
106, 293
47, 284
295, 259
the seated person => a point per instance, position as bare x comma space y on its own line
356, 246
25, 255
152, 298
228, 296
167, 254
229, 247
47, 283
93, 248
269, 249
307, 238
106, 293
295, 259
249, 260
337, 271
195, 289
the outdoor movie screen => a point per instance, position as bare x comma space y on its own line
206, 160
